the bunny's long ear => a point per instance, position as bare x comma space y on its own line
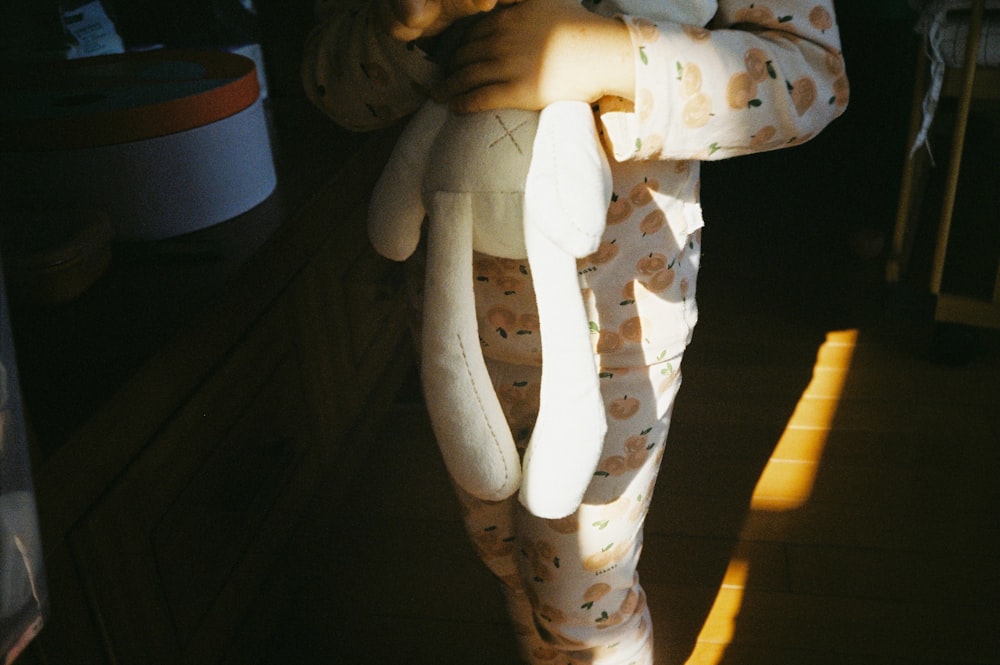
568, 186
396, 211
469, 423
565, 206
566, 443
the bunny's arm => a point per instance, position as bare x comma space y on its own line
396, 212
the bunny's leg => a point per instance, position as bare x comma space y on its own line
469, 425
396, 211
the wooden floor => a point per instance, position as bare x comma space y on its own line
829, 494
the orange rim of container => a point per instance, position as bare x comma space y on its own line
238, 89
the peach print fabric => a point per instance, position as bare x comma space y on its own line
571, 584
761, 76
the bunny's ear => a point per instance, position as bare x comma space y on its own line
565, 206
396, 211
566, 443
568, 186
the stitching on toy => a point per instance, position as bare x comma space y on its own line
475, 392
509, 133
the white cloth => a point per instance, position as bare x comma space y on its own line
946, 34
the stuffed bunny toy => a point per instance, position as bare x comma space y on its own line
519, 185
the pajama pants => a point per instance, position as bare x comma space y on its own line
571, 584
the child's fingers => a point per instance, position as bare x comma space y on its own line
418, 14
410, 19
476, 6
465, 79
477, 47
484, 73
406, 20
486, 84
499, 95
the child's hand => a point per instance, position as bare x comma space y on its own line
529, 55
407, 20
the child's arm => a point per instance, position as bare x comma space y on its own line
766, 75
361, 65
356, 73
531, 54
407, 20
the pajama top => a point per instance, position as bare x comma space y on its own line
759, 76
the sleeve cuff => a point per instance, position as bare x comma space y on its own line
632, 129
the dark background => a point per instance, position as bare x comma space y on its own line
857, 160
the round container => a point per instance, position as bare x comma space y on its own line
167, 142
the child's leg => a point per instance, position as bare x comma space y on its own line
571, 584
491, 528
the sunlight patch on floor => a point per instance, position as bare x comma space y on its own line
785, 484
787, 481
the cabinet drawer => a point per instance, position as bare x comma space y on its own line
352, 318
373, 290
180, 544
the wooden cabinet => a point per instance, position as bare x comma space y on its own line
205, 507
167, 505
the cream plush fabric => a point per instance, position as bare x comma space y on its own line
512, 184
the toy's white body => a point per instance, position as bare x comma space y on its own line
513, 184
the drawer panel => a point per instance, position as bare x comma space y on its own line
167, 553
351, 315
207, 530
373, 288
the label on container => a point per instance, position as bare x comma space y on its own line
92, 30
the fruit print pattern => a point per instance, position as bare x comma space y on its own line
722, 93
767, 75
644, 271
571, 584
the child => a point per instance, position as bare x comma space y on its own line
725, 78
